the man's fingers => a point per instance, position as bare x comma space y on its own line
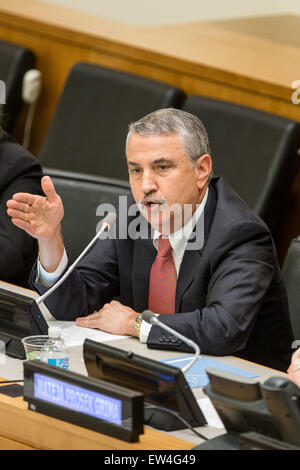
91, 316
19, 206
21, 224
88, 322
49, 189
19, 214
24, 198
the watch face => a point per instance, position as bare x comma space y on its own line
137, 324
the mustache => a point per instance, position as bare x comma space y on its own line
151, 198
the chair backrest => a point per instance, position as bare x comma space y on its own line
291, 277
82, 195
256, 152
15, 61
89, 127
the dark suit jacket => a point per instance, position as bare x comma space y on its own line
19, 172
230, 297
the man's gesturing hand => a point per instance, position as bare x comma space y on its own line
39, 216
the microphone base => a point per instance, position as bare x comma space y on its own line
13, 346
164, 420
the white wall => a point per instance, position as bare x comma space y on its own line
290, 6
156, 12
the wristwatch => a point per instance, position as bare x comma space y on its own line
137, 324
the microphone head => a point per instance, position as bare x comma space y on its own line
109, 220
147, 315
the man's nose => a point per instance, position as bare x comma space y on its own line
149, 182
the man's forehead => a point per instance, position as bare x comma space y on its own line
154, 146
136, 139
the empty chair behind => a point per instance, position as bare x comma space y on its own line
89, 127
291, 277
15, 61
256, 152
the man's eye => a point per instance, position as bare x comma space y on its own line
163, 167
135, 171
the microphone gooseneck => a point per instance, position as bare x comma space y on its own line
151, 318
106, 224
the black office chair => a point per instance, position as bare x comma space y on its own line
88, 131
291, 277
255, 151
15, 61
81, 195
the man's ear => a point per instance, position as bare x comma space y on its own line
203, 168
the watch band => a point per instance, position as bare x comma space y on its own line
137, 324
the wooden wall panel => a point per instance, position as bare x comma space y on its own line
59, 44
251, 62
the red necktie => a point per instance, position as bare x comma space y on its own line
163, 279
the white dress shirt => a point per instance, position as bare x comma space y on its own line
178, 241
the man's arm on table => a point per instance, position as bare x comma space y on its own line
241, 273
41, 280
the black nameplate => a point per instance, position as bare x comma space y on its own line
91, 403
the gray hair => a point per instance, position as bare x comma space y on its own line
170, 121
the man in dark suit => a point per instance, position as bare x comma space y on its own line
19, 171
209, 267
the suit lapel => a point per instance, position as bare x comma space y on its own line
144, 254
188, 268
192, 257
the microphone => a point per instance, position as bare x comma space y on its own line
151, 318
106, 224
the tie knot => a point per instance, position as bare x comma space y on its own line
164, 247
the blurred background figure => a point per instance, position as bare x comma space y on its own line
294, 369
19, 172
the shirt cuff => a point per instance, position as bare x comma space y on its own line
46, 279
144, 331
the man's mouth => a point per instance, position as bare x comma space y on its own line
153, 204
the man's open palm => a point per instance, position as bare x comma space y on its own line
39, 216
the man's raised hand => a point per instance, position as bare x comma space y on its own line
39, 216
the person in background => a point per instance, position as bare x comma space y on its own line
19, 172
294, 368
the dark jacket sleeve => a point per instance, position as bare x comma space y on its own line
241, 266
93, 283
18, 250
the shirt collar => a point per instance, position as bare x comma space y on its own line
179, 238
